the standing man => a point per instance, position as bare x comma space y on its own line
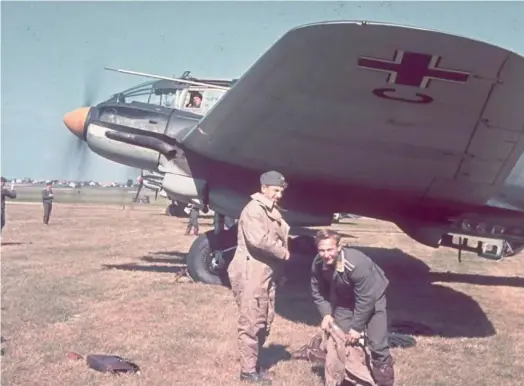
349, 288
11, 193
193, 220
262, 245
47, 199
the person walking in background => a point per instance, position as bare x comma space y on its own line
11, 193
193, 219
47, 200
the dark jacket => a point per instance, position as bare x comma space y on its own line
7, 193
47, 196
354, 282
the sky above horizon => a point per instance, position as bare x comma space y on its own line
50, 51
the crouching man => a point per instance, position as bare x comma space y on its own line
348, 289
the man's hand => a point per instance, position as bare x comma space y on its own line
326, 321
352, 336
286, 256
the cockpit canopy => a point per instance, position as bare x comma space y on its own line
174, 94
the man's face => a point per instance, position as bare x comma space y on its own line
274, 193
328, 250
197, 101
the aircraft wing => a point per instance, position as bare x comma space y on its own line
378, 105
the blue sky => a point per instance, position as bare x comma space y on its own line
51, 50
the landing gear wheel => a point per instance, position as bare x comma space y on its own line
202, 265
175, 211
303, 244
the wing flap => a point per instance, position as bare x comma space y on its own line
497, 141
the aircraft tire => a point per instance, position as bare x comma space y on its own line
198, 262
175, 211
304, 245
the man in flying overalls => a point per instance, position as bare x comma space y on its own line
262, 247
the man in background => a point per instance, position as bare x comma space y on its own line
11, 193
193, 220
47, 200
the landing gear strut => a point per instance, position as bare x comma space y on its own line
211, 253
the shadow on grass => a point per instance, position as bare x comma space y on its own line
145, 268
272, 354
173, 262
413, 295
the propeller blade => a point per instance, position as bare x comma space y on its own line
138, 191
75, 158
140, 185
77, 154
91, 86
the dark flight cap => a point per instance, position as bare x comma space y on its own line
273, 178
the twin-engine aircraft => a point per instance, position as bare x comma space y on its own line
417, 127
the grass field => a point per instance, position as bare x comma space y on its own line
100, 279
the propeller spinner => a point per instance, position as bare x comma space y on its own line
75, 121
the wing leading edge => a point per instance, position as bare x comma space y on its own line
376, 105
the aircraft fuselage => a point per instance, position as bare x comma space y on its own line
151, 137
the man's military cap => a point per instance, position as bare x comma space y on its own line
273, 178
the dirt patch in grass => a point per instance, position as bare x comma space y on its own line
102, 280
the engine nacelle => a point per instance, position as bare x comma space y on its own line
184, 188
120, 152
153, 181
135, 134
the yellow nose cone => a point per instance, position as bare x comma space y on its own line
75, 121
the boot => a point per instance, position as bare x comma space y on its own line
262, 337
255, 378
384, 372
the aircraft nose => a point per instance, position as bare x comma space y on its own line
75, 121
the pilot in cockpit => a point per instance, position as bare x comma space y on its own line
195, 101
